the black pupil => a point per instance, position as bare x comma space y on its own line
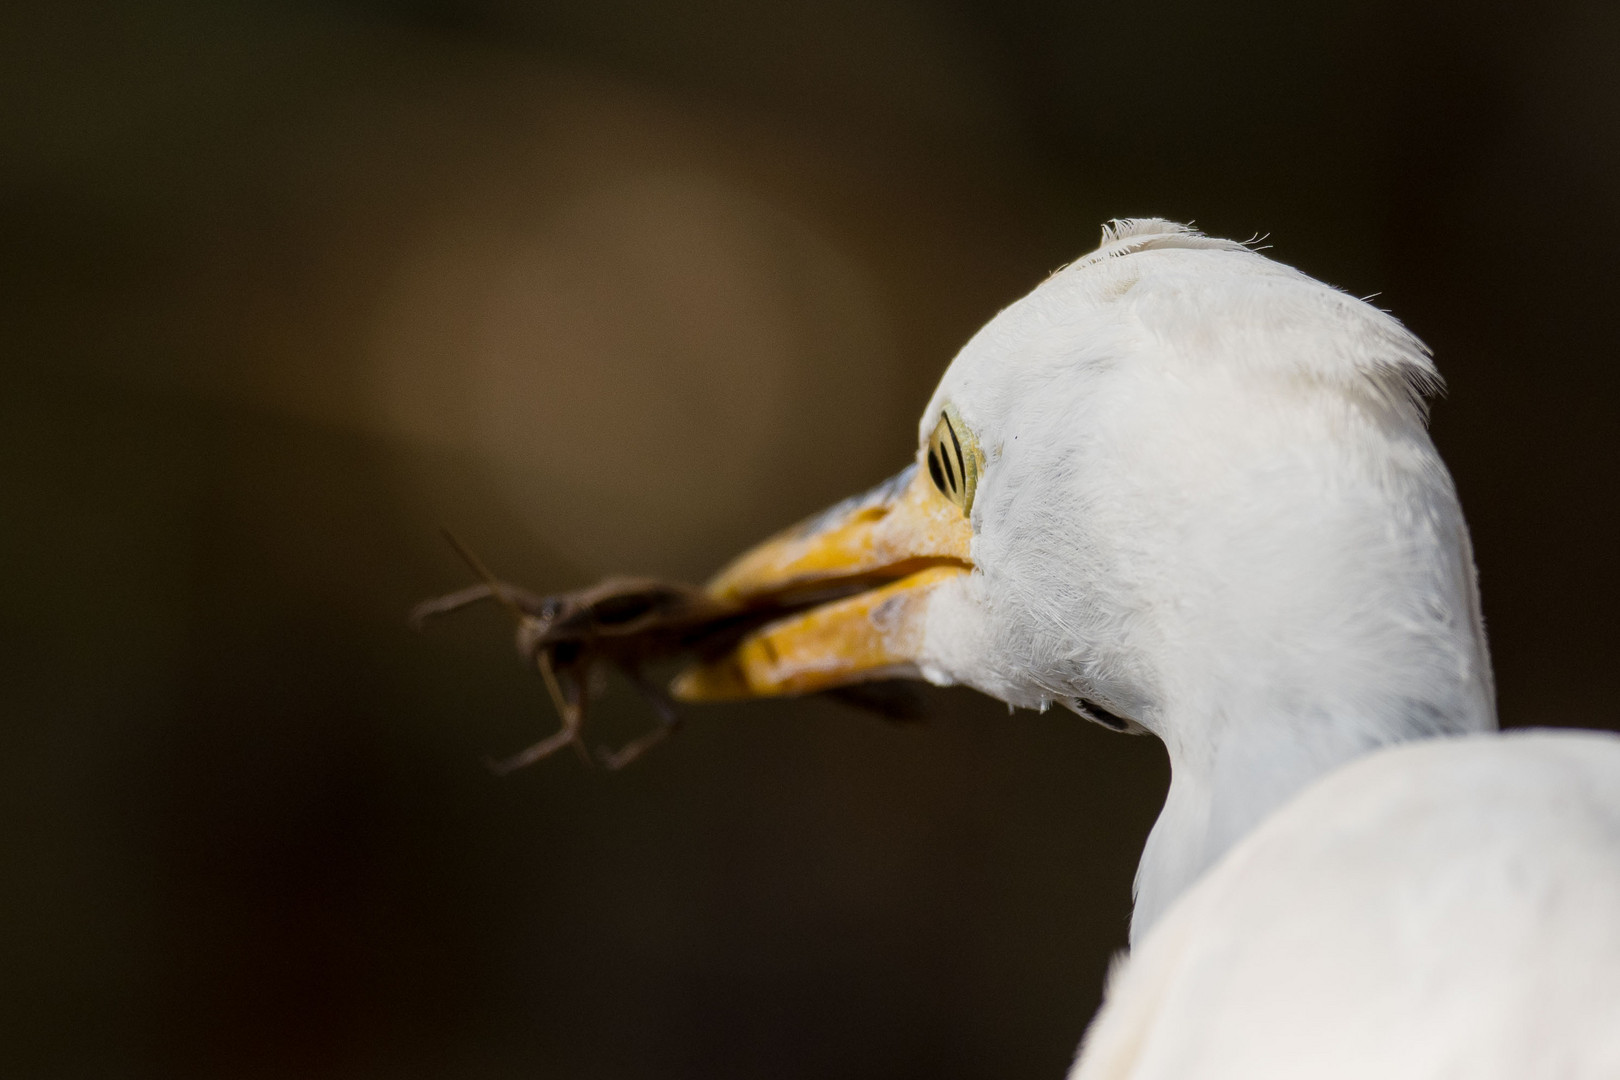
933, 468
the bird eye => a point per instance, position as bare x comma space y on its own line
954, 460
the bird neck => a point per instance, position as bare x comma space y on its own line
1256, 723
1221, 788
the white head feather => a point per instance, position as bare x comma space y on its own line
1211, 505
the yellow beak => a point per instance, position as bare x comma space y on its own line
867, 567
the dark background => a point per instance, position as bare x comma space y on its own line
622, 286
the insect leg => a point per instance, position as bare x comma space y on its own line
567, 694
669, 722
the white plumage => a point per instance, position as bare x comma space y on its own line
1201, 497
1449, 908
1211, 504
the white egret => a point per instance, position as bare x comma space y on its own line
1183, 489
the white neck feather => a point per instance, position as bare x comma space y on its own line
1221, 792
1262, 716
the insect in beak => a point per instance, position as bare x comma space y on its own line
621, 623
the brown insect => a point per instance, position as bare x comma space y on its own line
627, 623
623, 623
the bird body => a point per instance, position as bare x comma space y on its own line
1204, 503
1448, 908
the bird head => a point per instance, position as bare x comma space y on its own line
1177, 471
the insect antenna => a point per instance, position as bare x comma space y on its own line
496, 589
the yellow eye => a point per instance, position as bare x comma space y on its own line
954, 460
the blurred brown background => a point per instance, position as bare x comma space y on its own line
621, 286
